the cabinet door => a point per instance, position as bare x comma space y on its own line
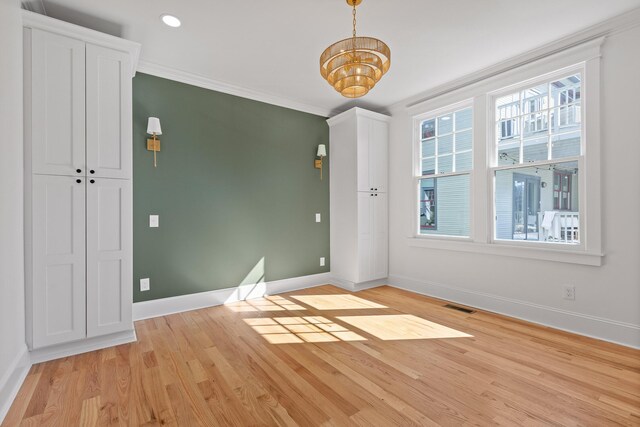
365, 236
56, 107
108, 113
58, 250
378, 155
373, 137
363, 154
109, 256
380, 249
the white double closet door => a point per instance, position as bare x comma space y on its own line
81, 257
79, 191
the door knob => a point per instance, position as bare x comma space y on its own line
79, 170
92, 171
78, 181
92, 181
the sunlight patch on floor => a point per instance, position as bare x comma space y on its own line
401, 327
293, 330
271, 303
336, 302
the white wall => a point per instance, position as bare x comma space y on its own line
607, 301
13, 354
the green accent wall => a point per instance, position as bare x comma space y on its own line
235, 189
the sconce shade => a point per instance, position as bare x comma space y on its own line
153, 126
322, 150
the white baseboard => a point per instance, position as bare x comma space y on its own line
179, 304
355, 287
82, 346
12, 380
626, 334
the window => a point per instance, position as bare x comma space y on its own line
533, 133
534, 181
445, 163
562, 191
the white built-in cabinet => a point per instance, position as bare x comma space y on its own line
78, 189
359, 143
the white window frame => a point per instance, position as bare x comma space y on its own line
417, 164
584, 57
493, 159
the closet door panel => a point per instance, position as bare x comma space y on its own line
363, 154
109, 256
57, 104
380, 255
58, 247
109, 113
378, 155
365, 236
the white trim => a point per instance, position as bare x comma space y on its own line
229, 88
358, 112
622, 333
42, 22
82, 346
356, 287
36, 6
12, 380
615, 25
512, 249
179, 304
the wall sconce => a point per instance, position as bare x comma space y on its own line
153, 128
322, 153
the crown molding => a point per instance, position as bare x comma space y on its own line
34, 6
357, 112
228, 88
42, 22
599, 31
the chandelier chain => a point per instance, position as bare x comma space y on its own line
354, 19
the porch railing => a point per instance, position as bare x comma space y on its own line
563, 228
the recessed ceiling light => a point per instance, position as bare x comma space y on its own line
171, 20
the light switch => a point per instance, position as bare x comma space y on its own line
144, 284
321, 261
154, 221
317, 217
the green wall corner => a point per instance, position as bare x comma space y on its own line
235, 189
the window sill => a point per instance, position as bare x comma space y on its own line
518, 251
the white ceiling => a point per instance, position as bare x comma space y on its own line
274, 46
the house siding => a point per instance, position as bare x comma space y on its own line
452, 206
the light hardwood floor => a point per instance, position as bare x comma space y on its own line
322, 356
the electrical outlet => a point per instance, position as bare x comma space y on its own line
154, 221
318, 217
321, 261
144, 285
569, 292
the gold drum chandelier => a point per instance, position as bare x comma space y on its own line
353, 66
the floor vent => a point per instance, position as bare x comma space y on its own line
456, 307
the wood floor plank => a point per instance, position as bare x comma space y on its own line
327, 357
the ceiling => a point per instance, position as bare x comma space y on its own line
273, 47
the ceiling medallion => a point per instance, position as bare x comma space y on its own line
353, 66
